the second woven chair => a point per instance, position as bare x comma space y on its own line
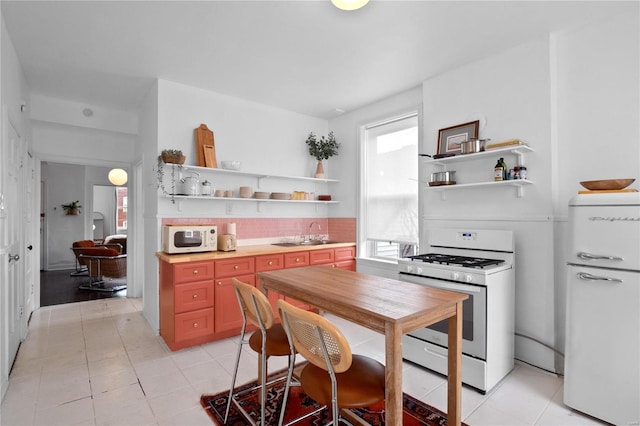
269, 340
334, 377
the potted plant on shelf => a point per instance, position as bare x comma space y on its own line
172, 156
322, 149
72, 209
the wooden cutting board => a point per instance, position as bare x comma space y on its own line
210, 156
204, 137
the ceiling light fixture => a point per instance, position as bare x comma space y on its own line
349, 4
118, 177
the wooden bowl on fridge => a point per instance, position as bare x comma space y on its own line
607, 184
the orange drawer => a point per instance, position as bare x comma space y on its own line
347, 265
234, 267
269, 262
299, 258
192, 271
193, 296
344, 253
191, 325
228, 315
320, 257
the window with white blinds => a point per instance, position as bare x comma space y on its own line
390, 187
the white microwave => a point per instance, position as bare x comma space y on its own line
189, 238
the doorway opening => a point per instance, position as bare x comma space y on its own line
102, 221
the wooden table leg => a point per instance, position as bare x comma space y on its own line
393, 376
455, 367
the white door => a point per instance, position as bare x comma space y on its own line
30, 239
11, 247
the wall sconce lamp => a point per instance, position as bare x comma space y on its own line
349, 4
118, 177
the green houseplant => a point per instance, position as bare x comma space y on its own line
172, 156
72, 208
322, 149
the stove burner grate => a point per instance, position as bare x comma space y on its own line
454, 260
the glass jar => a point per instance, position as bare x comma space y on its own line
206, 188
523, 172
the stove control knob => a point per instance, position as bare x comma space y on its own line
409, 269
419, 271
468, 278
454, 276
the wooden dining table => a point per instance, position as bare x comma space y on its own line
388, 306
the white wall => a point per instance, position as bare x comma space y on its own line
63, 183
598, 108
574, 98
265, 139
346, 128
147, 150
510, 93
80, 145
598, 120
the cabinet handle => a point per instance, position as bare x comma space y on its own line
195, 296
297, 259
195, 272
195, 325
270, 263
219, 283
334, 266
235, 266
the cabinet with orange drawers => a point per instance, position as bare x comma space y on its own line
186, 303
271, 262
228, 316
198, 303
342, 258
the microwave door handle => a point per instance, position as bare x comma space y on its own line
589, 256
589, 277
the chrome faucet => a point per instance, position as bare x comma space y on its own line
310, 226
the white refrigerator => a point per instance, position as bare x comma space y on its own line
602, 353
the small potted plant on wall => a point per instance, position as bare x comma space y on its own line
72, 209
172, 156
322, 149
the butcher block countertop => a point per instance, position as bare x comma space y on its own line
254, 250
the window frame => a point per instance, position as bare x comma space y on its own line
367, 244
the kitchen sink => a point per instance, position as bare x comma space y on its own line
306, 243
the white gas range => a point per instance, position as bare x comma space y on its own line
479, 263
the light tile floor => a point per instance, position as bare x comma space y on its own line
99, 363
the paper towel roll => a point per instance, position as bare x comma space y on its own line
231, 228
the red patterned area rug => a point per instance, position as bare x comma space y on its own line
415, 413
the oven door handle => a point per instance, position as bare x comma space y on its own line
456, 286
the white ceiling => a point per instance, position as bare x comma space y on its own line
304, 56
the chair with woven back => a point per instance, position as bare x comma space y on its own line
333, 377
103, 263
89, 246
268, 340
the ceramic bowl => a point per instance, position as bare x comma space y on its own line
230, 165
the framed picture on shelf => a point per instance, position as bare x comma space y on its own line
450, 138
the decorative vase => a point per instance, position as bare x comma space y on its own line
72, 212
319, 170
